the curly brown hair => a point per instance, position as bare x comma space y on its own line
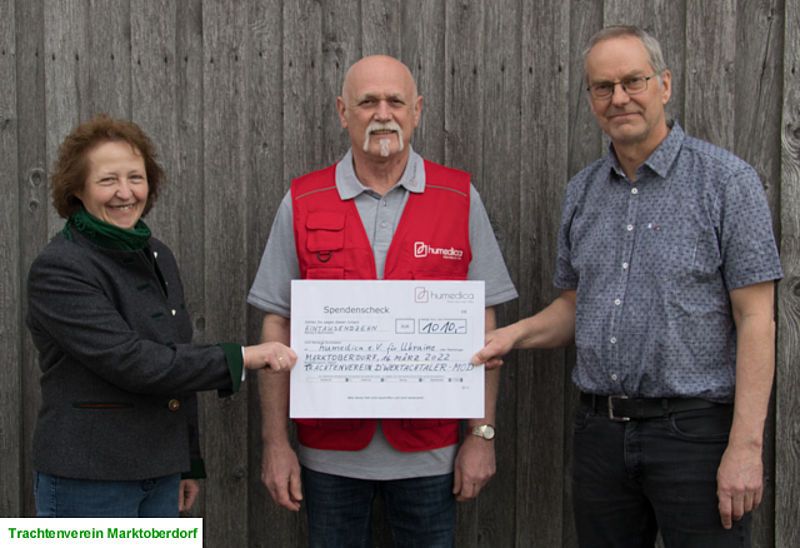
71, 168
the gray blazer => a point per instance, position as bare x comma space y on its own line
118, 368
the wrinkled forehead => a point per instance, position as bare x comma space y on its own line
379, 77
616, 58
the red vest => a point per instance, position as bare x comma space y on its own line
431, 243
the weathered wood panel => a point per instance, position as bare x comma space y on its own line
225, 183
11, 275
585, 145
464, 46
268, 525
239, 97
757, 77
502, 127
33, 208
787, 395
423, 52
709, 83
541, 422
107, 59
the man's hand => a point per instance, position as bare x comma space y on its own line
739, 483
280, 473
473, 468
187, 494
498, 343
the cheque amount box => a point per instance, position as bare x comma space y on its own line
457, 326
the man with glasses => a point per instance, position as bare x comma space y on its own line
666, 262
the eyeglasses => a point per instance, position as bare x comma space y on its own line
631, 85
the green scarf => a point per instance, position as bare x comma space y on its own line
107, 235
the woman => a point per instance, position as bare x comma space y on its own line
117, 427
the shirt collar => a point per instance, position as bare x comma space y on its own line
662, 157
348, 185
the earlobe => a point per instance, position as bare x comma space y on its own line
667, 84
417, 110
341, 109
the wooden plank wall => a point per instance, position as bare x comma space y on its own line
239, 98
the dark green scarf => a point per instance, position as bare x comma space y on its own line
107, 235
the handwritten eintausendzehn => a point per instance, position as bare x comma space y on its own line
386, 349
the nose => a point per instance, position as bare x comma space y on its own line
618, 95
124, 190
383, 112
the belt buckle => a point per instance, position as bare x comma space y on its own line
611, 409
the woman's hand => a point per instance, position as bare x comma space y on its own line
187, 494
273, 356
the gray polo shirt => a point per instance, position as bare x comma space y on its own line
380, 216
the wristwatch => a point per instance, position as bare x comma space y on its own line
485, 431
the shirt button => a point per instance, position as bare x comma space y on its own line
174, 311
617, 302
629, 227
625, 266
384, 203
174, 405
634, 190
383, 225
613, 340
614, 377
155, 254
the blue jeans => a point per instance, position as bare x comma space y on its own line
58, 497
421, 511
632, 479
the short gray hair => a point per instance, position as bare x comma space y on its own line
654, 54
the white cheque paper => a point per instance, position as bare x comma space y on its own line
386, 349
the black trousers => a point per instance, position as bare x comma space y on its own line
633, 479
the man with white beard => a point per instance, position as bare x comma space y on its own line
367, 217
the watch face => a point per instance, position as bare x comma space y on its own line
485, 431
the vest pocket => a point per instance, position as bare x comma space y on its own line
325, 233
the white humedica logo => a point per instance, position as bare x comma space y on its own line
422, 249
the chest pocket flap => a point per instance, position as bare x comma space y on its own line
325, 231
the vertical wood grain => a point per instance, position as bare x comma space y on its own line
108, 59
302, 90
269, 525
225, 173
502, 127
709, 82
34, 199
382, 27
463, 120
341, 48
11, 395
540, 387
787, 395
758, 80
422, 49
585, 146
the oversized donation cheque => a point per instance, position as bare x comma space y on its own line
386, 349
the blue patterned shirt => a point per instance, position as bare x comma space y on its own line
653, 262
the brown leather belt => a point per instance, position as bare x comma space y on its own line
623, 408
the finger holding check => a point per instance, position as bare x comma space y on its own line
271, 356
